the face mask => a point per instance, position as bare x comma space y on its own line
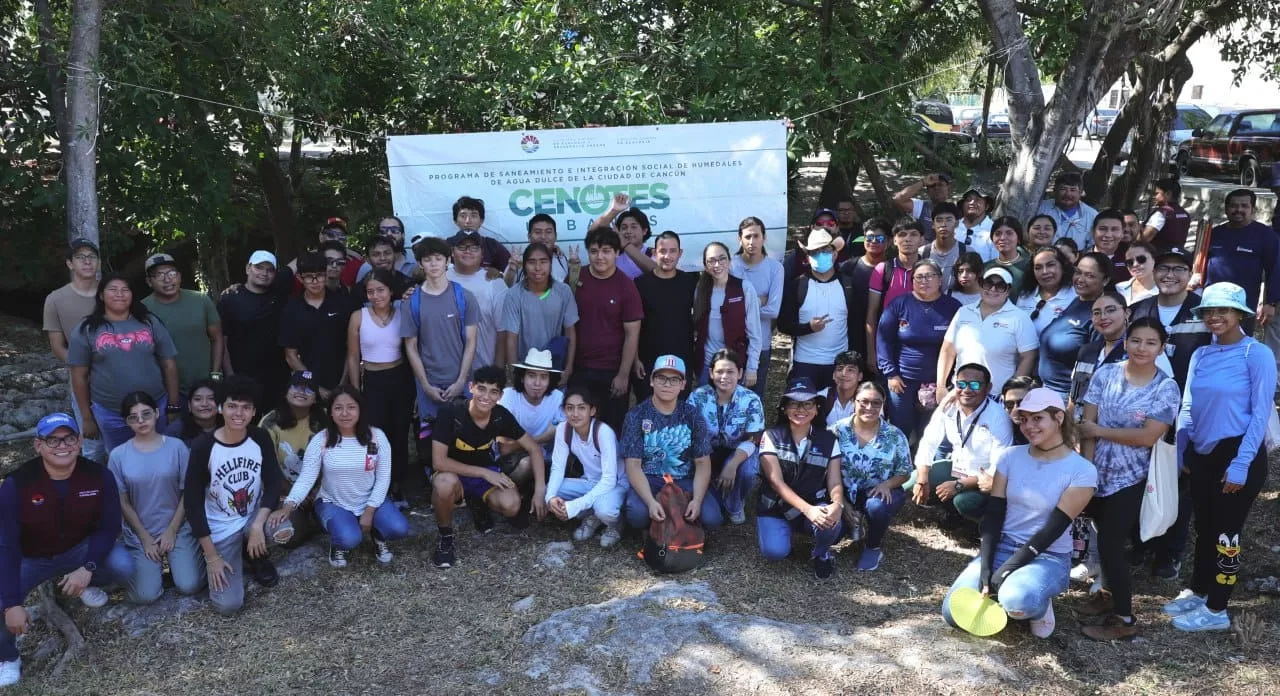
823, 262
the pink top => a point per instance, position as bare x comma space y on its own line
379, 344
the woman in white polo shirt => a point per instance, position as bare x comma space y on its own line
992, 332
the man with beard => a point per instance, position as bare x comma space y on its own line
392, 229
251, 323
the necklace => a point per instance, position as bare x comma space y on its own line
379, 319
1047, 450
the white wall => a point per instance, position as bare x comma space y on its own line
1213, 78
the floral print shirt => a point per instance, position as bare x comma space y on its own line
866, 466
736, 422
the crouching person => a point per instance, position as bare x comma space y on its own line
59, 519
597, 494
353, 462
802, 489
233, 483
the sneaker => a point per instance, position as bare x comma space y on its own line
612, 535
870, 559
1166, 569
1111, 628
263, 571
1098, 604
381, 550
480, 515
10, 672
739, 517
587, 529
1083, 573
93, 597
444, 556
824, 567
1202, 619
1185, 603
1043, 626
337, 557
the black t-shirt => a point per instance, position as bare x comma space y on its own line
250, 323
319, 334
469, 443
667, 328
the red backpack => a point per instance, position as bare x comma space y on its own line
675, 544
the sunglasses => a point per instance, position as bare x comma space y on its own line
1137, 260
1039, 306
1012, 404
997, 285
391, 229
970, 384
876, 238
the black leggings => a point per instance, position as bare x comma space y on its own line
1219, 518
1114, 515
389, 396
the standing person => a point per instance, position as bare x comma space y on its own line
1139, 258
390, 228
120, 348
1066, 334
1041, 233
816, 313
966, 286
192, 320
1072, 217
382, 254
1049, 290
875, 462
837, 400
64, 309
468, 215
335, 262
354, 458
944, 248
377, 367
150, 470
561, 267
633, 229
993, 333
1221, 432
937, 187
726, 312
251, 325
539, 312
313, 327
892, 279
536, 403
1108, 235
1169, 223
666, 436
1127, 410
200, 415
1006, 233
909, 344
1132, 226
753, 264
233, 483
1110, 325
465, 466
74, 538
801, 487
1245, 252
1037, 491
848, 228
735, 418
489, 293
973, 229
609, 316
334, 232
597, 494
667, 296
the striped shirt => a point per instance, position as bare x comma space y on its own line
354, 476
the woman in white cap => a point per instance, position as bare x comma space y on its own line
586, 443
1221, 440
535, 402
1038, 489
992, 332
735, 420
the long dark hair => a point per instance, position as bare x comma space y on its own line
98, 317
752, 221
539, 246
190, 428
1031, 284
702, 295
285, 418
387, 278
133, 399
971, 259
363, 432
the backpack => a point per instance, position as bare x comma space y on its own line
459, 301
673, 545
592, 439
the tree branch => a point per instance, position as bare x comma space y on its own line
809, 6
1202, 22
1030, 10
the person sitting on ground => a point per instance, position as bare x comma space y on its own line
233, 483
1011, 395
59, 518
665, 436
976, 431
464, 465
150, 470
596, 495
837, 400
201, 415
801, 488
355, 460
291, 426
536, 403
735, 420
875, 462
1038, 489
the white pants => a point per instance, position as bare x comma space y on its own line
607, 507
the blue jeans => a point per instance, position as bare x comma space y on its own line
904, 408
1028, 591
186, 566
879, 514
774, 535
89, 449
343, 526
637, 513
112, 428
116, 567
736, 499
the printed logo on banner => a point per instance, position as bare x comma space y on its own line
529, 143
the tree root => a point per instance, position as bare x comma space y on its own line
51, 612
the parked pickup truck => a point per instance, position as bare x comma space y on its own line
1243, 144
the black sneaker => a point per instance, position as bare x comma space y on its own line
480, 515
1136, 555
263, 571
444, 556
1166, 569
823, 567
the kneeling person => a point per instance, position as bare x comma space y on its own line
597, 494
464, 464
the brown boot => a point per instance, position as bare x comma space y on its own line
1111, 628
1099, 604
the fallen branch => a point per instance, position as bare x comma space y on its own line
51, 612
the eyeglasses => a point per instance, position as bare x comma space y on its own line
1175, 270
334, 262
467, 248
668, 380
390, 229
165, 275
1137, 260
1039, 306
925, 276
869, 403
56, 442
876, 239
802, 406
142, 417
1109, 309
1012, 404
717, 261
997, 285
311, 277
970, 384
85, 257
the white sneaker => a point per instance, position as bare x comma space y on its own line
612, 535
1185, 603
10, 672
337, 557
1043, 626
382, 551
93, 597
587, 529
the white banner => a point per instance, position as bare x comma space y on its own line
699, 180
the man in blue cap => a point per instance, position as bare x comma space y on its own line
59, 518
661, 436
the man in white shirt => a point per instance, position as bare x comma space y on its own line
1073, 217
938, 188
816, 314
977, 430
973, 229
468, 254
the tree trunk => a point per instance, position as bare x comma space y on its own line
868, 161
1161, 83
80, 157
987, 93
279, 189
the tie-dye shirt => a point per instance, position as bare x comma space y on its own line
665, 444
865, 466
729, 425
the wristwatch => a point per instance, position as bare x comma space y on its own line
959, 486
90, 566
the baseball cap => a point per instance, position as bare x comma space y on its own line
82, 243
336, 222
988, 198
997, 272
824, 211
465, 236
262, 256
159, 260
1039, 399
53, 421
669, 362
800, 389
302, 378
1177, 253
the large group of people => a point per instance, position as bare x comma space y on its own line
1015, 376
